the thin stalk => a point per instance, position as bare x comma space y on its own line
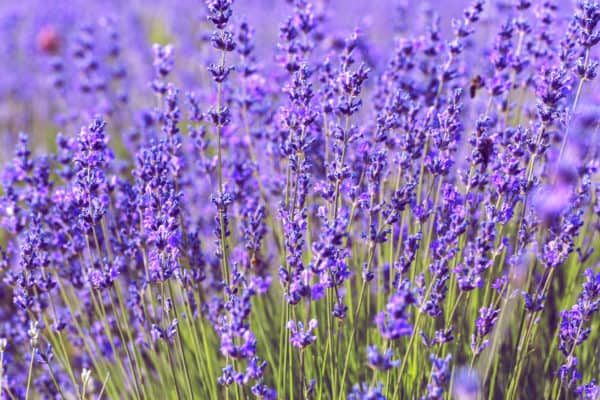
338, 181
211, 371
223, 244
29, 373
53, 377
361, 297
575, 103
188, 380
103, 386
134, 365
556, 380
352, 334
526, 339
411, 341
173, 376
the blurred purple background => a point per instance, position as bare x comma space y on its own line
36, 32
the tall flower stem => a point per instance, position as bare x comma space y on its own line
29, 374
574, 106
223, 244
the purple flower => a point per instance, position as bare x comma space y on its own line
365, 392
230, 376
588, 391
393, 322
219, 12
166, 333
440, 377
299, 337
488, 316
574, 325
381, 362
262, 391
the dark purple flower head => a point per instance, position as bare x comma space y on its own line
230, 376
486, 321
393, 322
587, 19
589, 391
301, 337
535, 302
379, 361
163, 60
522, 5
255, 369
166, 333
223, 41
575, 325
237, 341
365, 392
262, 391
219, 12
440, 377
163, 64
552, 89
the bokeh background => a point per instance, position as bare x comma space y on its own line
39, 41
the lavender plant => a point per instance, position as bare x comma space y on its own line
208, 208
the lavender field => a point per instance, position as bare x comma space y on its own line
301, 199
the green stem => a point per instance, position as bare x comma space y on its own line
352, 334
29, 374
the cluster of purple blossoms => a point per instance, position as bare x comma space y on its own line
210, 206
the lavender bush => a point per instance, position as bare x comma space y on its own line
408, 209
